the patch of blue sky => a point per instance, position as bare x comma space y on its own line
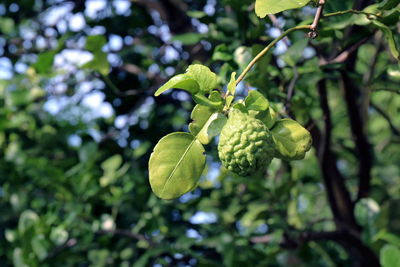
57, 13
171, 54
55, 104
192, 233
114, 60
209, 8
2, 9
74, 140
115, 42
76, 22
202, 217
122, 7
93, 7
189, 196
6, 68
20, 67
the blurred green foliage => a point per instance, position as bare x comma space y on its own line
74, 187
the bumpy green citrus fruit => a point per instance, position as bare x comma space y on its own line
245, 145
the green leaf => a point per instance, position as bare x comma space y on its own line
206, 79
112, 163
176, 165
232, 84
40, 246
292, 140
141, 149
7, 25
366, 210
58, 235
18, 97
229, 100
95, 43
240, 106
265, 7
383, 234
215, 96
202, 100
388, 4
390, 256
365, 20
181, 81
211, 128
390, 17
99, 63
18, 258
44, 64
221, 52
200, 115
389, 37
256, 101
27, 220
295, 52
243, 56
394, 73
196, 14
188, 38
268, 117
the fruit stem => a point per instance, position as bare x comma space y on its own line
267, 48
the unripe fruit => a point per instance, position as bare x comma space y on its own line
245, 145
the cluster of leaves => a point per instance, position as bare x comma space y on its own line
178, 160
89, 202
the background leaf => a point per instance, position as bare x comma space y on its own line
390, 39
295, 52
390, 256
188, 38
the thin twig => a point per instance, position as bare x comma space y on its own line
290, 89
116, 90
396, 91
313, 33
394, 129
344, 55
126, 233
267, 48
352, 11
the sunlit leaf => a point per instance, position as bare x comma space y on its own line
256, 101
292, 140
211, 128
181, 81
202, 100
390, 256
176, 165
265, 7
206, 79
232, 84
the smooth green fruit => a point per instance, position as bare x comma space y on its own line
245, 145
